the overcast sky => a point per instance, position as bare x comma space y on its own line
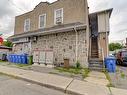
118, 22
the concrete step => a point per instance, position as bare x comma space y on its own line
96, 64
96, 69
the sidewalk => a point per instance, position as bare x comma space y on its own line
97, 78
67, 85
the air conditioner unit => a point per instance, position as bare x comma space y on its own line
34, 39
59, 20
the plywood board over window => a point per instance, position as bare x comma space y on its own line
42, 21
27, 25
58, 16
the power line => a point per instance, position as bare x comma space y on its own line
16, 6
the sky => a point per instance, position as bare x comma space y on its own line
118, 21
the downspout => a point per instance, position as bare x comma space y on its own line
76, 52
106, 34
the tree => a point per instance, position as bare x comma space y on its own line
7, 43
115, 46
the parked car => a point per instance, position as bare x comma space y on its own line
121, 57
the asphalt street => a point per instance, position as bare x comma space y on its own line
117, 78
11, 86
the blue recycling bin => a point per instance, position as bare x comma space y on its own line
16, 59
10, 56
24, 59
19, 59
13, 58
110, 63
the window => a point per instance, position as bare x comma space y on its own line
27, 25
58, 16
42, 21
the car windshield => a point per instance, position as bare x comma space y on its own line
124, 54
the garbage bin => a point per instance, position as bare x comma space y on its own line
4, 56
66, 63
110, 63
29, 59
19, 59
24, 59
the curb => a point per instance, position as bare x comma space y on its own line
45, 85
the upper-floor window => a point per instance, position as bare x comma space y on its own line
27, 25
42, 21
58, 16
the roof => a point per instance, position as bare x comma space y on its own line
102, 11
5, 47
51, 30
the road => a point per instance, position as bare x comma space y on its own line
11, 86
118, 79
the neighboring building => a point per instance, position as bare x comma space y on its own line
1, 40
5, 49
62, 30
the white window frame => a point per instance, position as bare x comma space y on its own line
44, 21
25, 25
55, 15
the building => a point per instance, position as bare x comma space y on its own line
5, 49
62, 30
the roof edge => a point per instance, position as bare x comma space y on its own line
102, 11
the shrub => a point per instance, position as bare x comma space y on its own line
78, 65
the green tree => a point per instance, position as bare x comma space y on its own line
7, 43
115, 46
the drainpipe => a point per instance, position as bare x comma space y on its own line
76, 53
106, 35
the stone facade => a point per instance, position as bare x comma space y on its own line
64, 46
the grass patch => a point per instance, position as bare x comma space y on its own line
109, 79
22, 65
122, 75
2, 61
74, 71
85, 72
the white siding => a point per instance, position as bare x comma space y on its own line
103, 22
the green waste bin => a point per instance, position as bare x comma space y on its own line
30, 60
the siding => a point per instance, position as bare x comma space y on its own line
73, 10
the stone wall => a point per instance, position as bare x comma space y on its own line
63, 46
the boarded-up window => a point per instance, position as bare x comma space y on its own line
42, 21
58, 16
27, 25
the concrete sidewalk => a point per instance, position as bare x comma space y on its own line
67, 85
97, 78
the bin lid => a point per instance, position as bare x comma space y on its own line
109, 58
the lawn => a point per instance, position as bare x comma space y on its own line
74, 71
22, 66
